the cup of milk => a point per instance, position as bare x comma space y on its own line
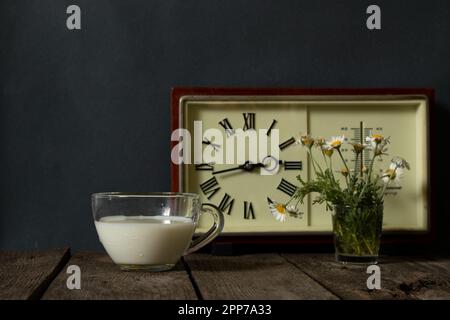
151, 231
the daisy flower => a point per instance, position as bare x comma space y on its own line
375, 139
294, 211
400, 162
393, 174
358, 147
306, 140
336, 142
327, 150
278, 210
320, 142
344, 172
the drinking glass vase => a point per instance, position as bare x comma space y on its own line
357, 232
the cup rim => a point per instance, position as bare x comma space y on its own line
120, 194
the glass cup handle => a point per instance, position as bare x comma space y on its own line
213, 232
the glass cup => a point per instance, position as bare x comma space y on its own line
151, 231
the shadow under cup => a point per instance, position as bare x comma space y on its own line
151, 231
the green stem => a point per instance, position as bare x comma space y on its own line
369, 176
345, 164
325, 160
356, 166
314, 161
342, 157
331, 169
371, 163
387, 183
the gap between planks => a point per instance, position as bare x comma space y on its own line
401, 277
27, 275
253, 277
101, 279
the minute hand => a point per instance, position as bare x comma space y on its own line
247, 166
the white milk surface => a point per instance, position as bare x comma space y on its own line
145, 240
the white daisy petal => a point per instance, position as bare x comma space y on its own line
278, 210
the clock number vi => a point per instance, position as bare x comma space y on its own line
287, 187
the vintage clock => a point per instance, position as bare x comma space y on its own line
242, 192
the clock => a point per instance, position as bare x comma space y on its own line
243, 183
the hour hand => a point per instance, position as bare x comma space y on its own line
247, 166
228, 170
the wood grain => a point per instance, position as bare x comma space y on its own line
258, 276
430, 279
26, 275
401, 277
102, 279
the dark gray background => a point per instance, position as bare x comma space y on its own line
86, 111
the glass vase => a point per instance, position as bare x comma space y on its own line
357, 232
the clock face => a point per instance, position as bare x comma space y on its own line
243, 193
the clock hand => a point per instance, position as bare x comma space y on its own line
214, 145
247, 166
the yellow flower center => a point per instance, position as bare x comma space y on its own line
307, 141
328, 152
391, 173
280, 208
358, 147
320, 141
336, 143
377, 137
344, 172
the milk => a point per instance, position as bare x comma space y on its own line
145, 240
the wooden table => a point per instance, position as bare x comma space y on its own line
42, 275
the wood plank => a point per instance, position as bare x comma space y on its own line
257, 276
102, 279
430, 280
401, 277
26, 275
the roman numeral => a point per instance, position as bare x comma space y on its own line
210, 187
227, 126
249, 121
248, 210
274, 122
226, 203
287, 187
292, 165
287, 143
203, 167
